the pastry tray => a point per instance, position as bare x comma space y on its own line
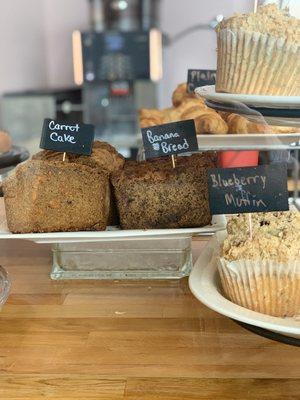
278, 110
111, 233
15, 156
253, 141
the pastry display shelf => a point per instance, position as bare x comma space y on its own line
249, 100
266, 110
255, 141
116, 253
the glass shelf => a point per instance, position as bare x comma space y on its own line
255, 141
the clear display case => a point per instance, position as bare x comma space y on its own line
171, 257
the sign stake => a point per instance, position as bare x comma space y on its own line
64, 156
255, 5
250, 226
173, 161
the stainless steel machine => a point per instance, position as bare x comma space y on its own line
118, 62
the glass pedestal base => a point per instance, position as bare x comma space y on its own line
163, 258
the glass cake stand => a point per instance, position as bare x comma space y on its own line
151, 258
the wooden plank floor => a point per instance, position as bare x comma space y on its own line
127, 340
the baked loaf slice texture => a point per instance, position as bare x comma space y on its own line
104, 156
56, 196
153, 195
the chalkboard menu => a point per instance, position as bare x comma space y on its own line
170, 139
67, 137
247, 190
200, 77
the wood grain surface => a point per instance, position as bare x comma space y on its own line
127, 340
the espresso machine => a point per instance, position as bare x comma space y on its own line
118, 63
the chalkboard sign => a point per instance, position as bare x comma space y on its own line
200, 77
247, 190
67, 137
169, 139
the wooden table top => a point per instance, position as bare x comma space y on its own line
127, 340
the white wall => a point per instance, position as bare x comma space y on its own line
61, 18
22, 46
197, 50
36, 51
36, 45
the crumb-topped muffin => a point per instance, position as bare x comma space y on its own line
276, 236
259, 53
262, 272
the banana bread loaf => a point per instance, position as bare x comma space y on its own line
152, 194
43, 196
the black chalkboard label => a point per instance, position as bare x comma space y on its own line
200, 77
247, 190
67, 137
169, 139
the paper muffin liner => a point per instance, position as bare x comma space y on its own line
256, 63
263, 286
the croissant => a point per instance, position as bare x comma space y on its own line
258, 128
206, 121
145, 122
284, 129
211, 123
237, 124
150, 113
194, 112
188, 104
170, 115
224, 114
180, 94
241, 125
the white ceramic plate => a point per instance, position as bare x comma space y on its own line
112, 233
209, 92
204, 284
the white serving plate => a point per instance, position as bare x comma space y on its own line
209, 92
205, 286
112, 233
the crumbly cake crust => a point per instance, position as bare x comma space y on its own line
269, 20
104, 156
276, 237
43, 196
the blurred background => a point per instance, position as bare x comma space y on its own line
125, 54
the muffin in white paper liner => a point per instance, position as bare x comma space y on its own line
262, 286
257, 63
